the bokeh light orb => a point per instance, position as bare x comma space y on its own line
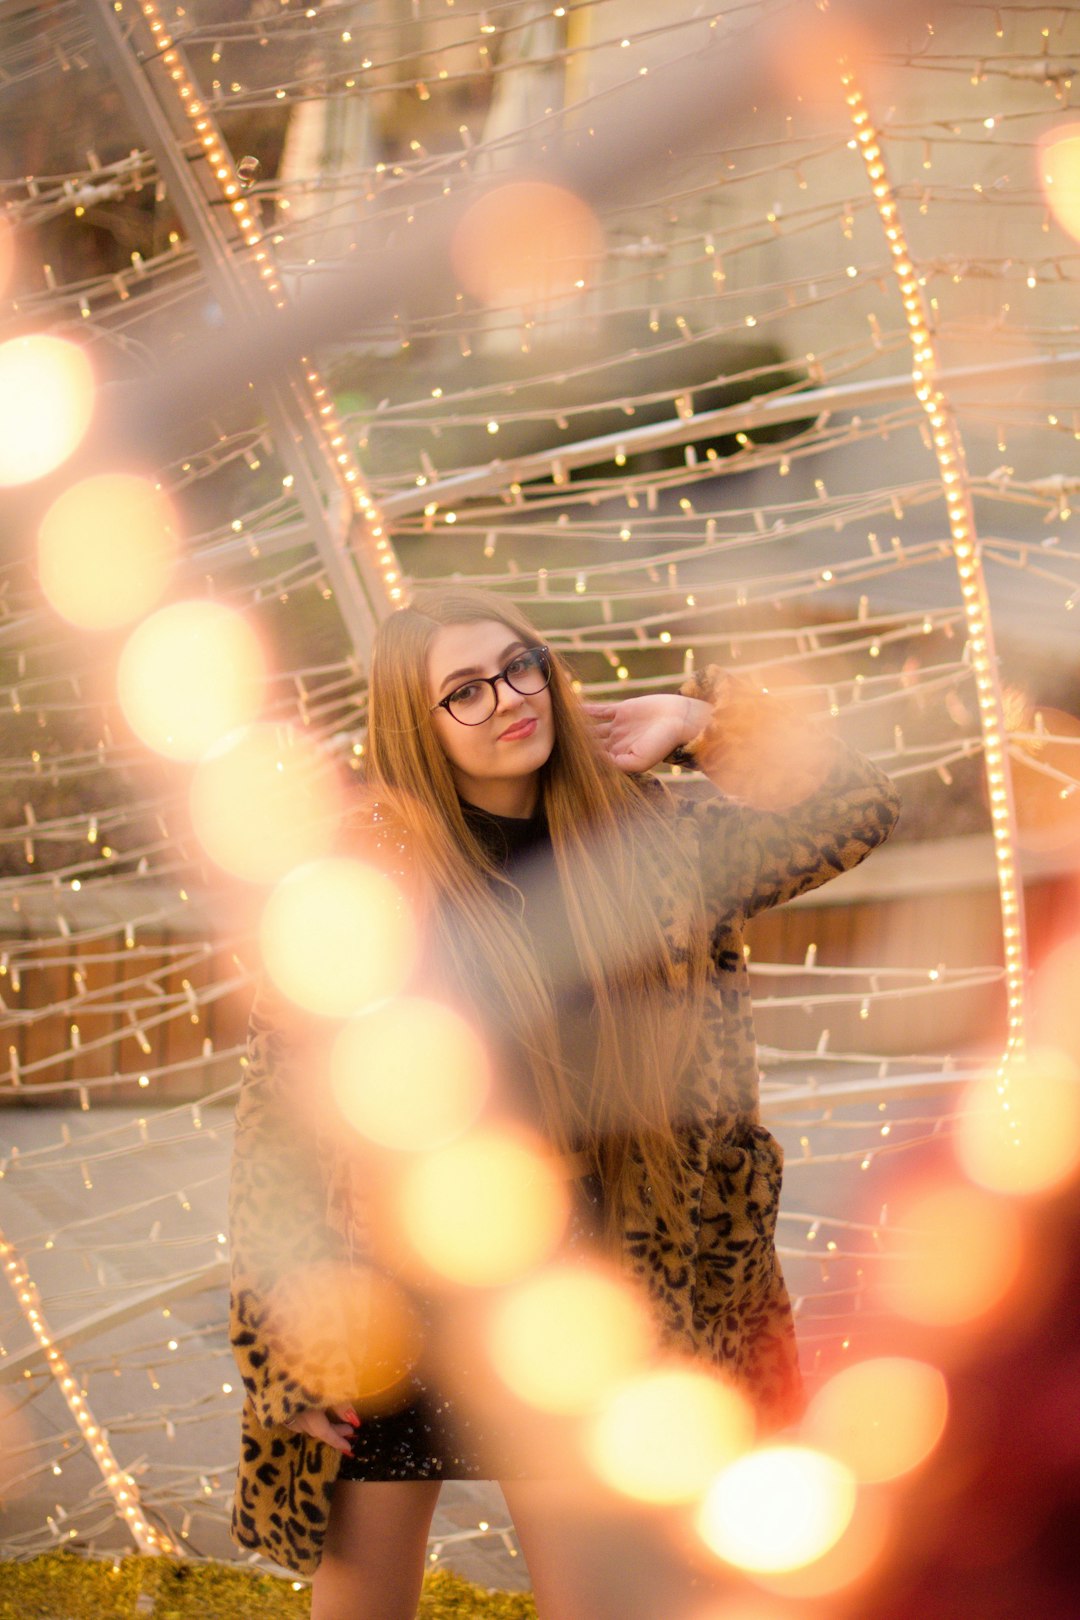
188, 676
1059, 174
7, 252
777, 1508
483, 1209
264, 800
336, 936
411, 1074
955, 1252
848, 1563
1055, 1005
743, 1606
106, 549
526, 243
1045, 762
661, 1437
46, 402
350, 1332
881, 1417
562, 1339
1021, 1134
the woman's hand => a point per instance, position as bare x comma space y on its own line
325, 1424
639, 732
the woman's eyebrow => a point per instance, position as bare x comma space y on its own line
456, 674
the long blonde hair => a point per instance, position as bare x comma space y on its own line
617, 866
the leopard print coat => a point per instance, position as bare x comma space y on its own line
796, 807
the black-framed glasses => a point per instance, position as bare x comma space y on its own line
476, 701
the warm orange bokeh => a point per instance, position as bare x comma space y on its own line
1047, 807
1020, 1134
955, 1251
882, 1417
410, 1075
526, 243
777, 1508
1055, 1006
46, 402
337, 936
484, 1209
662, 1436
106, 548
769, 750
809, 51
1059, 175
190, 675
854, 1556
7, 252
349, 1332
263, 801
562, 1339
741, 1606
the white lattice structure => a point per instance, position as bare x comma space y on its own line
812, 407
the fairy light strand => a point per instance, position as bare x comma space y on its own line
252, 250
120, 1485
949, 451
592, 621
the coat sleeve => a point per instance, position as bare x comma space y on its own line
796, 807
280, 1242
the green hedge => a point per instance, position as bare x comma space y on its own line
63, 1586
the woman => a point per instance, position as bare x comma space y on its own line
590, 919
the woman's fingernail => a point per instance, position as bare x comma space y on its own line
351, 1415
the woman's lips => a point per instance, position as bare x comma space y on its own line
524, 728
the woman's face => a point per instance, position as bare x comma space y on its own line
494, 764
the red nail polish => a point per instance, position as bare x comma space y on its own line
351, 1415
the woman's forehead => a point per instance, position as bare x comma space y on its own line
476, 646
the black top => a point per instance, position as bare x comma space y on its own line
521, 847
507, 838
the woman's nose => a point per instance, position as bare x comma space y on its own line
506, 697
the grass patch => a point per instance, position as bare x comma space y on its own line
63, 1586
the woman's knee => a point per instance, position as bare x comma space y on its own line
369, 1518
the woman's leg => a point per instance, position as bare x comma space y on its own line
570, 1580
593, 1562
375, 1550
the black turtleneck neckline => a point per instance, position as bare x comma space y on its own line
506, 836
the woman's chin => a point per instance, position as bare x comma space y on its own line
521, 756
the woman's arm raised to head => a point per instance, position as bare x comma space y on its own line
639, 732
798, 806
801, 806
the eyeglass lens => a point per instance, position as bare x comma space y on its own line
477, 701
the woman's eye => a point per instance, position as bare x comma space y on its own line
519, 664
464, 694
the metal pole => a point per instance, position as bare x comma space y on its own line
324, 499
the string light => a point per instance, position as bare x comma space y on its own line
949, 450
120, 1485
240, 216
627, 620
